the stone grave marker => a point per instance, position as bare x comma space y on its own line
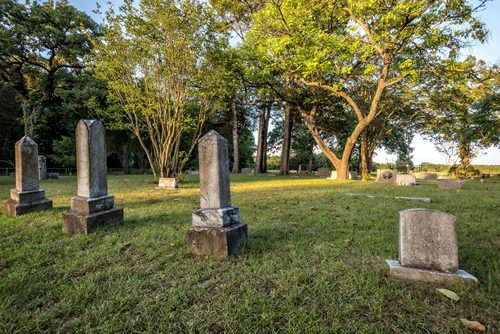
405, 180
42, 167
247, 171
92, 207
425, 176
450, 184
386, 175
168, 183
216, 227
323, 172
352, 175
428, 248
27, 196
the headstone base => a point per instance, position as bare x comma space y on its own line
76, 222
216, 217
13, 208
168, 183
397, 271
218, 242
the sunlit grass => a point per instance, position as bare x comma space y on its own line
314, 262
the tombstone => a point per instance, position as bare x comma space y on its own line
353, 175
216, 227
406, 180
27, 196
323, 172
247, 171
42, 167
168, 183
92, 207
53, 176
428, 250
386, 175
425, 176
450, 184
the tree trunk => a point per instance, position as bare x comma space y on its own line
264, 160
363, 153
287, 141
125, 157
310, 159
236, 139
261, 140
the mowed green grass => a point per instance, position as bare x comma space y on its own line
314, 262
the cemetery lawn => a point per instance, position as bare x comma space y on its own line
314, 262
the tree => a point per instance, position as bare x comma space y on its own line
155, 58
465, 110
40, 45
332, 45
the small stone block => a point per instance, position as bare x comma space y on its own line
75, 223
27, 197
406, 180
168, 183
397, 271
87, 206
216, 217
13, 208
416, 199
218, 242
386, 175
450, 184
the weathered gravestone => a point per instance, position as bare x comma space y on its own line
386, 175
27, 196
92, 207
405, 180
168, 183
352, 175
42, 167
425, 176
428, 248
450, 184
323, 172
247, 171
216, 227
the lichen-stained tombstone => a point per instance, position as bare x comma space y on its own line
386, 175
428, 249
27, 196
42, 167
92, 207
216, 227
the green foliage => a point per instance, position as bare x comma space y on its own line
41, 46
64, 152
157, 61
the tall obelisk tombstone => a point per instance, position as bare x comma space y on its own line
216, 228
27, 196
92, 207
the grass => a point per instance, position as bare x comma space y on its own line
314, 262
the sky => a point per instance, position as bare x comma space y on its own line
424, 150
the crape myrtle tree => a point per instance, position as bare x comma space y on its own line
464, 111
156, 59
331, 45
41, 45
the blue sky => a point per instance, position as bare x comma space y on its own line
423, 149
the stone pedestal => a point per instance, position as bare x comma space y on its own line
168, 183
428, 249
27, 196
216, 227
92, 207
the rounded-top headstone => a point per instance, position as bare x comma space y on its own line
214, 171
91, 159
26, 152
428, 240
